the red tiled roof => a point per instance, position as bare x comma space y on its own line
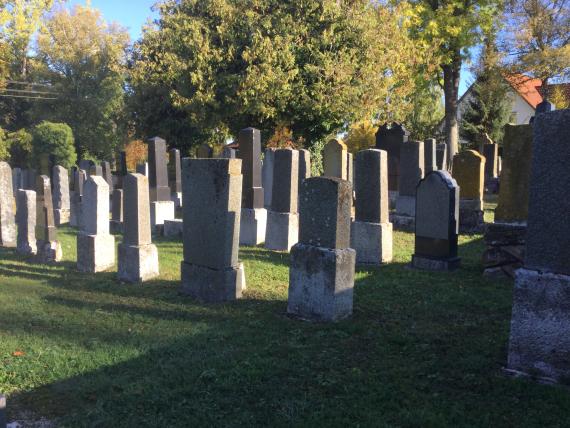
527, 87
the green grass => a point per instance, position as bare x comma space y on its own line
422, 349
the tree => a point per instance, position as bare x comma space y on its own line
537, 39
427, 113
84, 58
361, 136
559, 97
54, 139
20, 147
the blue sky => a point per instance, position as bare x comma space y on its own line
133, 14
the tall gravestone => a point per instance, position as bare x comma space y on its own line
95, 245
390, 138
48, 247
267, 175
211, 271
29, 177
335, 157
117, 211
539, 341
491, 153
437, 223
8, 236
350, 167
469, 172
61, 198
17, 180
430, 155
107, 174
441, 156
321, 272
411, 172
205, 151
26, 221
76, 191
371, 235
175, 177
283, 219
138, 257
304, 166
253, 214
122, 170
161, 205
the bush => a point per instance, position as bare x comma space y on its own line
136, 152
4, 153
20, 147
53, 139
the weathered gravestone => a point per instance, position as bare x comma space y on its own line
26, 221
29, 178
335, 157
349, 167
175, 177
441, 156
228, 153
430, 155
117, 210
8, 236
107, 174
304, 166
539, 340
371, 235
253, 214
469, 172
122, 171
205, 151
211, 271
437, 225
505, 239
61, 198
491, 154
267, 175
161, 205
283, 219
138, 257
95, 245
48, 247
390, 138
78, 180
411, 172
95, 170
17, 180
321, 273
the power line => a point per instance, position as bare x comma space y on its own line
26, 96
29, 91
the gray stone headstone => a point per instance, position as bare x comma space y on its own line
123, 169
371, 186
304, 165
48, 248
17, 180
228, 153
117, 202
390, 138
29, 179
250, 154
142, 168
205, 151
86, 165
349, 167
411, 167
335, 157
107, 174
174, 171
95, 171
430, 155
61, 198
26, 221
7, 208
157, 168
491, 153
441, 155
267, 175
285, 181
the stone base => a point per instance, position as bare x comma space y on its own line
372, 242
471, 216
252, 226
426, 263
48, 252
138, 263
177, 199
116, 227
173, 228
211, 285
505, 249
321, 282
539, 344
61, 217
406, 206
403, 222
160, 211
95, 253
282, 231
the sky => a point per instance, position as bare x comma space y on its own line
133, 14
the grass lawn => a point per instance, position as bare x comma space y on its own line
422, 349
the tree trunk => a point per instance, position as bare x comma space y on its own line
451, 74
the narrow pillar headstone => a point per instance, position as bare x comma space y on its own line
321, 273
205, 151
371, 235
491, 153
48, 247
17, 180
95, 245
253, 215
390, 138
29, 178
117, 209
26, 221
349, 167
469, 172
76, 191
412, 166
123, 169
539, 343
430, 155
335, 157
8, 235
437, 223
282, 219
107, 174
61, 197
267, 175
211, 271
175, 177
138, 257
441, 155
161, 207
304, 166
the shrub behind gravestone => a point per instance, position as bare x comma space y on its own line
54, 139
20, 147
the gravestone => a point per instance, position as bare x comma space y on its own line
211, 271
390, 138
430, 155
335, 157
469, 173
304, 166
491, 153
371, 235
95, 170
86, 165
321, 272
283, 219
267, 175
61, 198
539, 341
437, 225
142, 168
138, 257
79, 177
253, 214
350, 167
17, 180
107, 175
117, 210
228, 153
204, 151
29, 178
411, 172
161, 205
175, 177
26, 221
8, 236
48, 247
95, 245
123, 169
441, 156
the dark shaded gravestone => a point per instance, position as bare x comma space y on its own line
491, 153
267, 175
76, 191
211, 271
437, 225
48, 247
61, 198
29, 178
26, 221
371, 235
107, 174
138, 256
335, 157
283, 219
321, 273
390, 138
205, 151
253, 214
17, 180
95, 245
411, 172
161, 206
86, 165
441, 156
539, 340
95, 170
117, 211
175, 177
8, 235
228, 153
469, 172
304, 166
123, 170
142, 168
430, 155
